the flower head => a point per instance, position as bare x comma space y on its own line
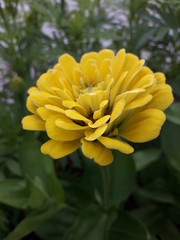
98, 104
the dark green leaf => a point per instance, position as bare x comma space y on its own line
35, 164
92, 224
170, 139
173, 113
145, 157
121, 178
55, 227
38, 195
14, 167
30, 223
127, 227
159, 190
144, 38
161, 33
13, 192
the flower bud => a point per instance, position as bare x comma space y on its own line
16, 84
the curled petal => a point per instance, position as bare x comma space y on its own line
160, 77
100, 122
116, 144
59, 134
74, 115
93, 135
117, 110
33, 122
94, 150
162, 97
31, 106
59, 149
143, 126
118, 63
86, 56
65, 62
139, 102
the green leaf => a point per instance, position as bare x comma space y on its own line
38, 195
163, 30
175, 82
145, 157
30, 223
121, 178
168, 231
144, 38
159, 190
39, 8
35, 164
92, 224
164, 228
127, 227
170, 139
173, 113
14, 167
13, 192
55, 227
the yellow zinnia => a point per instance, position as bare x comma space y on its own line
96, 104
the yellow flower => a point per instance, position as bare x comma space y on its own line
96, 104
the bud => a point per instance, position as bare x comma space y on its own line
16, 84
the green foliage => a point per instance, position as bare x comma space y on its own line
135, 198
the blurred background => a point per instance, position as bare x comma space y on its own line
33, 34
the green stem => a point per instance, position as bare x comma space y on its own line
70, 208
105, 181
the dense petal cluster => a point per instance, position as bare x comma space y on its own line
98, 104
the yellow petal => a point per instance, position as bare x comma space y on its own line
43, 98
67, 124
114, 133
44, 113
60, 134
33, 122
58, 149
32, 89
100, 112
162, 97
144, 82
105, 68
86, 56
118, 63
117, 110
130, 61
62, 93
31, 106
143, 126
116, 88
49, 79
89, 68
91, 101
74, 115
100, 121
138, 102
77, 75
129, 96
54, 108
160, 77
131, 74
116, 144
76, 106
97, 151
104, 54
141, 74
68, 64
93, 135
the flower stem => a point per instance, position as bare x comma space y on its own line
105, 181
